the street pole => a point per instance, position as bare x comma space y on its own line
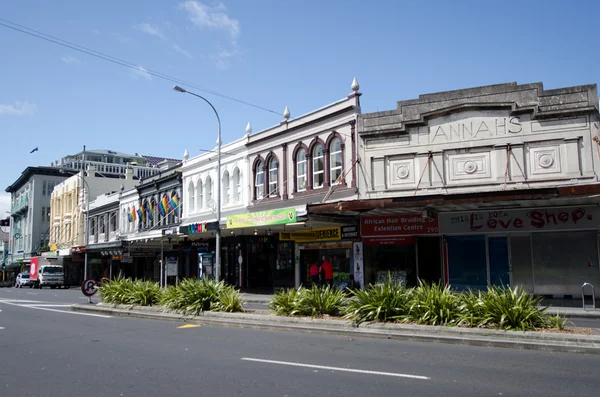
87, 219
218, 234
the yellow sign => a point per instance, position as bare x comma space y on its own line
324, 234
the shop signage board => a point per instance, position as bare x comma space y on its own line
263, 218
397, 225
521, 220
397, 240
325, 245
198, 227
321, 234
350, 232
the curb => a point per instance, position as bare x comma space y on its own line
540, 341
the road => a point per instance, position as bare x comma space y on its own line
46, 350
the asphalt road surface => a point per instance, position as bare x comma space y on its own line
45, 350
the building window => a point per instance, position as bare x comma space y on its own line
44, 188
192, 196
318, 166
48, 212
43, 214
51, 187
335, 161
209, 202
226, 189
200, 194
236, 185
113, 222
301, 170
259, 181
273, 177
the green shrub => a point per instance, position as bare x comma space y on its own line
318, 301
195, 296
434, 304
472, 313
513, 308
285, 301
128, 292
229, 301
388, 301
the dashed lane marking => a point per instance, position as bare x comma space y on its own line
39, 305
359, 371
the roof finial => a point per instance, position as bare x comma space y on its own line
186, 155
286, 114
248, 129
355, 86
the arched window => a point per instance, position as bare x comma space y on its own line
155, 212
200, 189
272, 177
192, 197
301, 170
335, 161
208, 195
226, 188
318, 166
259, 181
236, 185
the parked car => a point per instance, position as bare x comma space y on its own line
22, 280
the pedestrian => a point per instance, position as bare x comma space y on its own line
313, 271
327, 271
353, 285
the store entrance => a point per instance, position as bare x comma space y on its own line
429, 258
261, 260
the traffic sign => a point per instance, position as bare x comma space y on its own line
89, 287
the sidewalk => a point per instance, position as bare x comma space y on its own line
543, 341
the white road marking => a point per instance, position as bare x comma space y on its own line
360, 371
29, 305
44, 305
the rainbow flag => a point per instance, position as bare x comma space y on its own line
139, 212
150, 210
132, 214
143, 211
175, 204
164, 205
129, 217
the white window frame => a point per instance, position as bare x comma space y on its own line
298, 174
332, 155
273, 190
259, 187
315, 161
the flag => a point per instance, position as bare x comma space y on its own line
129, 217
34, 150
132, 213
175, 204
150, 210
143, 213
139, 212
165, 205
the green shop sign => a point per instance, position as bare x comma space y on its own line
262, 218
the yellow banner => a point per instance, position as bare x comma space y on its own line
323, 234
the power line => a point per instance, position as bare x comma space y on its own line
121, 62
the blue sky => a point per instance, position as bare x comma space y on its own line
301, 54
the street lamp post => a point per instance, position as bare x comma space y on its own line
218, 234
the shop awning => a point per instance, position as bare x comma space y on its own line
105, 245
565, 195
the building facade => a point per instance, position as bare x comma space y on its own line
199, 221
482, 186
308, 159
150, 219
114, 164
105, 248
30, 213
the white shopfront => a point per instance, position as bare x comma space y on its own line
549, 251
